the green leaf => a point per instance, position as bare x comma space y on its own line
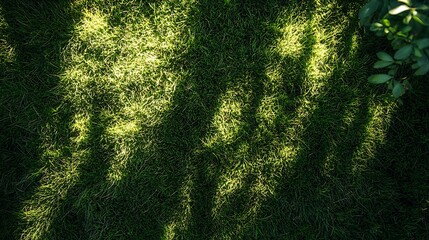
382, 64
376, 26
422, 43
385, 22
367, 12
384, 56
399, 9
417, 52
422, 70
421, 18
423, 7
421, 65
408, 2
401, 34
398, 89
404, 52
379, 78
407, 19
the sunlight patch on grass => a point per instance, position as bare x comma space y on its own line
254, 177
125, 65
374, 135
61, 173
123, 134
117, 81
7, 51
293, 35
355, 44
325, 50
227, 121
94, 23
349, 116
180, 221
80, 126
269, 110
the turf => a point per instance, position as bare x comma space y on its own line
204, 119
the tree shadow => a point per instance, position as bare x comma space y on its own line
180, 163
169, 189
36, 32
322, 195
400, 173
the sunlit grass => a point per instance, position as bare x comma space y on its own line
210, 120
117, 73
298, 33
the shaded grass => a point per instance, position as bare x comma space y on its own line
208, 119
32, 35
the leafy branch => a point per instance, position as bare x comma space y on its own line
405, 23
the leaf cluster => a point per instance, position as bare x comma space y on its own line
405, 23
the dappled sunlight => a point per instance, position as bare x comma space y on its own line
181, 219
61, 173
120, 134
80, 126
294, 34
7, 51
373, 137
321, 64
118, 81
203, 119
254, 183
227, 122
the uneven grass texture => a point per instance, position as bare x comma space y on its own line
204, 119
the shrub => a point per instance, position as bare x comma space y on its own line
405, 23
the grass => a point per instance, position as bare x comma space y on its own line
204, 120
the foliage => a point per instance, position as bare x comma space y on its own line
405, 23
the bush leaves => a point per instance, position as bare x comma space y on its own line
367, 12
404, 52
379, 78
422, 43
421, 18
399, 9
385, 56
382, 64
398, 89
422, 70
405, 24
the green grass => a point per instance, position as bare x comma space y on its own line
204, 120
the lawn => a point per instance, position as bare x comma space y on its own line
204, 119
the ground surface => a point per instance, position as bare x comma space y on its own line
204, 120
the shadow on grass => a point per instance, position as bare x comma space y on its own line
400, 171
172, 191
35, 33
334, 190
144, 204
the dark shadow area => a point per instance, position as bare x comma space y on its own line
400, 171
36, 30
